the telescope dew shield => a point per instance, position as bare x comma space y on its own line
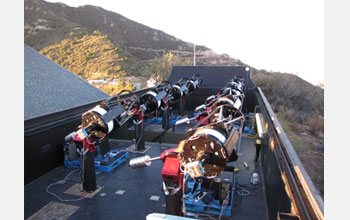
183, 87
93, 123
113, 114
152, 100
195, 83
208, 146
177, 92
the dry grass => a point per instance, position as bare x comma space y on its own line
313, 162
295, 98
308, 146
86, 55
114, 89
316, 124
295, 127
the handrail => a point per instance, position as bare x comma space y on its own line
305, 188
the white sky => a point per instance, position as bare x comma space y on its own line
285, 36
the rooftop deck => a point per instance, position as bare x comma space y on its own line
127, 193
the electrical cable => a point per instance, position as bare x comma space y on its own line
203, 120
250, 136
209, 198
247, 189
83, 166
250, 186
68, 176
183, 191
74, 166
255, 135
235, 203
224, 204
62, 182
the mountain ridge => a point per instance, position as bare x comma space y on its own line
123, 31
48, 23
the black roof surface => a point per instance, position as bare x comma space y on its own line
138, 186
50, 88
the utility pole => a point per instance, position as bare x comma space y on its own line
194, 54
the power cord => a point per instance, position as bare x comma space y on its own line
63, 182
82, 154
224, 204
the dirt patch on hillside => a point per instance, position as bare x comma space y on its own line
313, 162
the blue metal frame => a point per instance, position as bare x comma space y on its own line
213, 208
158, 120
98, 159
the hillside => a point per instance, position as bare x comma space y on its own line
49, 24
288, 92
44, 20
299, 107
90, 56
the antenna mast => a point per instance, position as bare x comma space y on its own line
194, 54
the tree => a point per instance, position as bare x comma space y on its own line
160, 67
112, 89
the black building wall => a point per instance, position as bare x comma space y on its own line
44, 139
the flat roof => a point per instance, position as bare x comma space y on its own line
127, 193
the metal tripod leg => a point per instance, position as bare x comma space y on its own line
139, 133
165, 118
88, 166
182, 106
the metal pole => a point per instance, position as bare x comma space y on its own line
139, 133
194, 54
89, 184
182, 106
165, 118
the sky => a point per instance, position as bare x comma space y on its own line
284, 36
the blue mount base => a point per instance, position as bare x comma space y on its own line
105, 164
158, 120
214, 207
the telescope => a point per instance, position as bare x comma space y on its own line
210, 143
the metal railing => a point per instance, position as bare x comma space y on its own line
306, 201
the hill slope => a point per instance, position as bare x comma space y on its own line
43, 20
89, 56
289, 92
49, 23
